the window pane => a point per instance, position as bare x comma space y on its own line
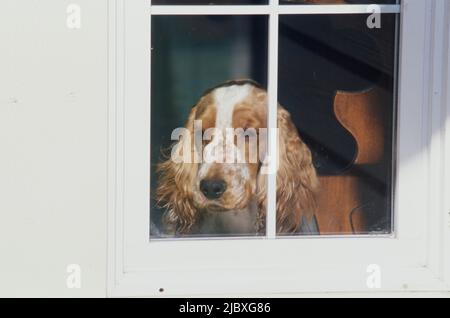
190, 55
207, 2
337, 79
338, 1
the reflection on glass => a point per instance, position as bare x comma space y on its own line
337, 78
191, 54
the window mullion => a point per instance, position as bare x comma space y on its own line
273, 7
272, 120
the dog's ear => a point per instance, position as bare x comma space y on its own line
297, 181
175, 183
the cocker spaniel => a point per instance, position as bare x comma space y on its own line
203, 195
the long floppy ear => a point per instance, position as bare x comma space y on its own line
175, 183
297, 180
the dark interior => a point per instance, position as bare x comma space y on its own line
339, 54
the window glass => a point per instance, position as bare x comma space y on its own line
336, 125
337, 79
191, 55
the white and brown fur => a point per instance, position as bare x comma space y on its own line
242, 207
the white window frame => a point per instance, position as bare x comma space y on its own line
416, 258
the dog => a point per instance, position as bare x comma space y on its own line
229, 198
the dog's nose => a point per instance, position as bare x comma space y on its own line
213, 189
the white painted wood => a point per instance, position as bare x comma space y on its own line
414, 259
436, 134
266, 9
445, 123
53, 131
271, 219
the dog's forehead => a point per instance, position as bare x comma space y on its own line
226, 99
223, 101
228, 96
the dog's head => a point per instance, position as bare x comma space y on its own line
216, 164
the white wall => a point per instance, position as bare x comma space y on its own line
53, 124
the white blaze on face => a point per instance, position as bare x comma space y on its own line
225, 100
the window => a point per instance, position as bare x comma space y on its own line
191, 54
336, 78
356, 130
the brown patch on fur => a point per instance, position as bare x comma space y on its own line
174, 191
296, 178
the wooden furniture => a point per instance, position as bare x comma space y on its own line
344, 200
